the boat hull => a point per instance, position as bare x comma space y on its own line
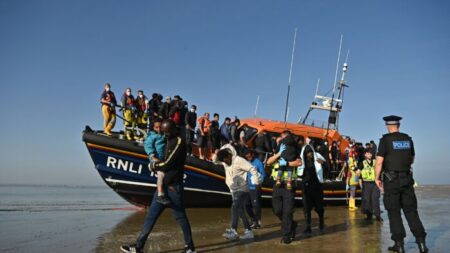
123, 165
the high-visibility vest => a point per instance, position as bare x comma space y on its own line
285, 173
368, 171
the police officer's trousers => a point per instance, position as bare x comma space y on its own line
283, 201
399, 195
312, 198
371, 198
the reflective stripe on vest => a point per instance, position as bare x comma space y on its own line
368, 172
285, 173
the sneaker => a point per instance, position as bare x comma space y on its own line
227, 231
256, 225
131, 249
231, 234
285, 240
248, 234
162, 199
188, 249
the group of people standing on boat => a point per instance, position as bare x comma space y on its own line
139, 113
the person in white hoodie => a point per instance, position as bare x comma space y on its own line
236, 169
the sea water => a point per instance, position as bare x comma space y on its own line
57, 218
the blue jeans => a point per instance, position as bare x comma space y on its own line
238, 209
175, 194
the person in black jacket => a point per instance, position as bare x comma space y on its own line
190, 120
164, 109
262, 145
172, 166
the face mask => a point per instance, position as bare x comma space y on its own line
192, 110
141, 96
107, 89
128, 93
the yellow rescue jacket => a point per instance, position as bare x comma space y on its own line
354, 177
368, 171
274, 173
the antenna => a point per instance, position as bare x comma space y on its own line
317, 86
342, 86
256, 107
346, 57
337, 66
290, 76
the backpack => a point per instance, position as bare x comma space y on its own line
177, 117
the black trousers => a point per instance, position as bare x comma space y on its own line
253, 205
189, 140
399, 195
283, 201
312, 198
371, 198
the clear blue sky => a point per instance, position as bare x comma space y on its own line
56, 55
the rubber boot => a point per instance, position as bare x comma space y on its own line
422, 246
108, 130
398, 247
308, 223
128, 135
351, 204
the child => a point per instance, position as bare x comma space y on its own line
289, 154
154, 146
352, 181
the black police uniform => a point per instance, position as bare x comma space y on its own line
283, 202
397, 149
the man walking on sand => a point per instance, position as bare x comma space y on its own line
172, 166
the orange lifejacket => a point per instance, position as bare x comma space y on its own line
204, 124
129, 100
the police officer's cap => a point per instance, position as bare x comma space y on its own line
392, 120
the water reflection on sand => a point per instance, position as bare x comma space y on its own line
345, 231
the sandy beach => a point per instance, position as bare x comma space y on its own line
109, 224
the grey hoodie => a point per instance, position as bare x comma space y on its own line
236, 173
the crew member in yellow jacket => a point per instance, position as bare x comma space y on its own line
108, 101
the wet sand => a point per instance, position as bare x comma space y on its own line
84, 224
345, 231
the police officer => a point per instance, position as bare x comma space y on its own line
283, 200
394, 158
370, 192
